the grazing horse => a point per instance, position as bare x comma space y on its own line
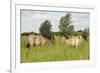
76, 41
36, 40
73, 40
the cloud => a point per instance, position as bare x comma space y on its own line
31, 20
40, 15
80, 20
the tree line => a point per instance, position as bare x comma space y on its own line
65, 29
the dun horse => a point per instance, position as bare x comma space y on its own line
37, 40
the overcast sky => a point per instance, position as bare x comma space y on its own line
31, 20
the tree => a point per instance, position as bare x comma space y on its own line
85, 33
45, 31
45, 28
65, 25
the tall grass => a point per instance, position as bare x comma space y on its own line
50, 52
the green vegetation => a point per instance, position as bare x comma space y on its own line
27, 33
65, 26
50, 52
45, 29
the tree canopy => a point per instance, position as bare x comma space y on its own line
45, 28
65, 25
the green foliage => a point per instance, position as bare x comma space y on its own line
45, 28
57, 52
79, 32
86, 33
65, 25
56, 33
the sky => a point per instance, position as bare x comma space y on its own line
31, 20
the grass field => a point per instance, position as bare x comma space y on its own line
50, 52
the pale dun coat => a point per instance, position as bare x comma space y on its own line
63, 40
30, 40
38, 40
67, 41
43, 40
74, 41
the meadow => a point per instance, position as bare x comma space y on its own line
50, 52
